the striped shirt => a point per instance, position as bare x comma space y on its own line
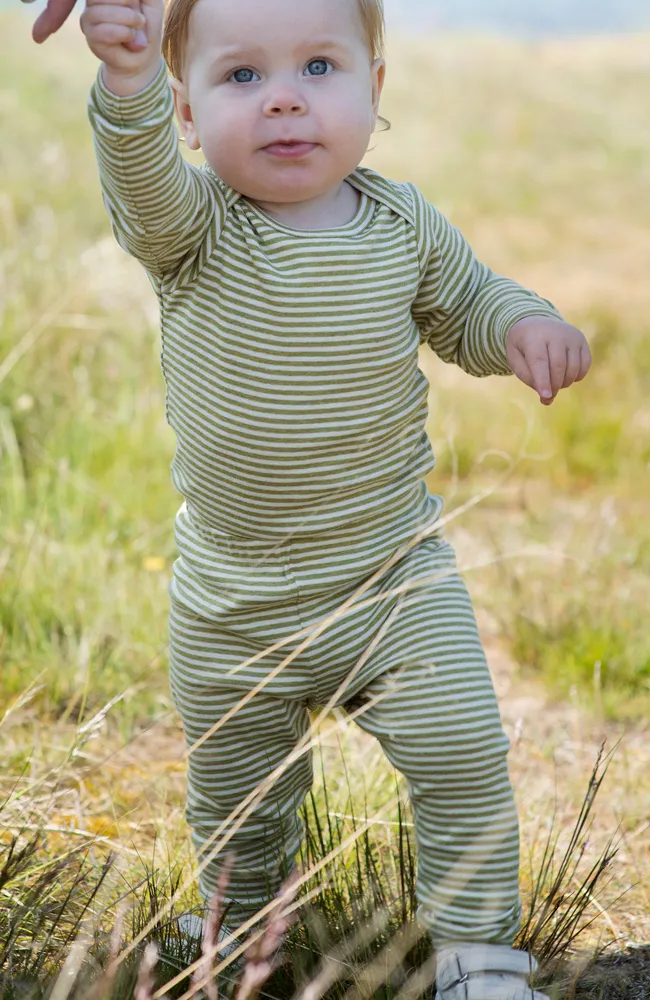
291, 357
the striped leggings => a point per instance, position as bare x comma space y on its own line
406, 659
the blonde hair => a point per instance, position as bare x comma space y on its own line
372, 19
177, 21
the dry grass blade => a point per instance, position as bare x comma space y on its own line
68, 975
146, 983
386, 963
35, 332
335, 964
231, 957
256, 918
23, 700
262, 957
211, 930
104, 985
419, 982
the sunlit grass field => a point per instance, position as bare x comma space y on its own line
541, 154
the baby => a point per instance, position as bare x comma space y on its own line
295, 288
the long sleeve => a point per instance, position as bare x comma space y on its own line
164, 211
463, 310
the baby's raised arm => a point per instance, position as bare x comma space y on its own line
164, 211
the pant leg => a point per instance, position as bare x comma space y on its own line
435, 713
227, 767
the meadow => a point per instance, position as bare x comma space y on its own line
540, 153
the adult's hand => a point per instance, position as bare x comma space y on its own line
51, 19
54, 15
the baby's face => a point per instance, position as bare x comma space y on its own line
281, 95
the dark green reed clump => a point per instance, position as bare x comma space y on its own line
354, 936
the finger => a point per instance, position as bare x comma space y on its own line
113, 4
557, 355
139, 43
572, 367
111, 34
540, 370
522, 371
126, 16
54, 15
585, 362
520, 368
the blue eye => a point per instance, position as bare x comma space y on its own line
318, 67
244, 76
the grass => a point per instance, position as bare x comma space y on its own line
355, 934
548, 180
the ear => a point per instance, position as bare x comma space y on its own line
378, 72
184, 114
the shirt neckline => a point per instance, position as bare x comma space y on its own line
357, 223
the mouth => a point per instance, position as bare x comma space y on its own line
290, 149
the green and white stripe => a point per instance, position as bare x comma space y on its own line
291, 357
291, 368
424, 690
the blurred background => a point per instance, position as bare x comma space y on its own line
522, 17
527, 123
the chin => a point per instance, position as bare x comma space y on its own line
297, 181
286, 190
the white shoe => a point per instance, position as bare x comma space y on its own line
485, 972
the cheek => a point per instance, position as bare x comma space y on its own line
349, 132
224, 131
349, 110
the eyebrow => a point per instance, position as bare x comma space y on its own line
322, 44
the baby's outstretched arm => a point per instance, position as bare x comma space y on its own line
488, 324
164, 211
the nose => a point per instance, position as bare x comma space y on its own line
284, 99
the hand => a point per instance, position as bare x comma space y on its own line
126, 35
548, 355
